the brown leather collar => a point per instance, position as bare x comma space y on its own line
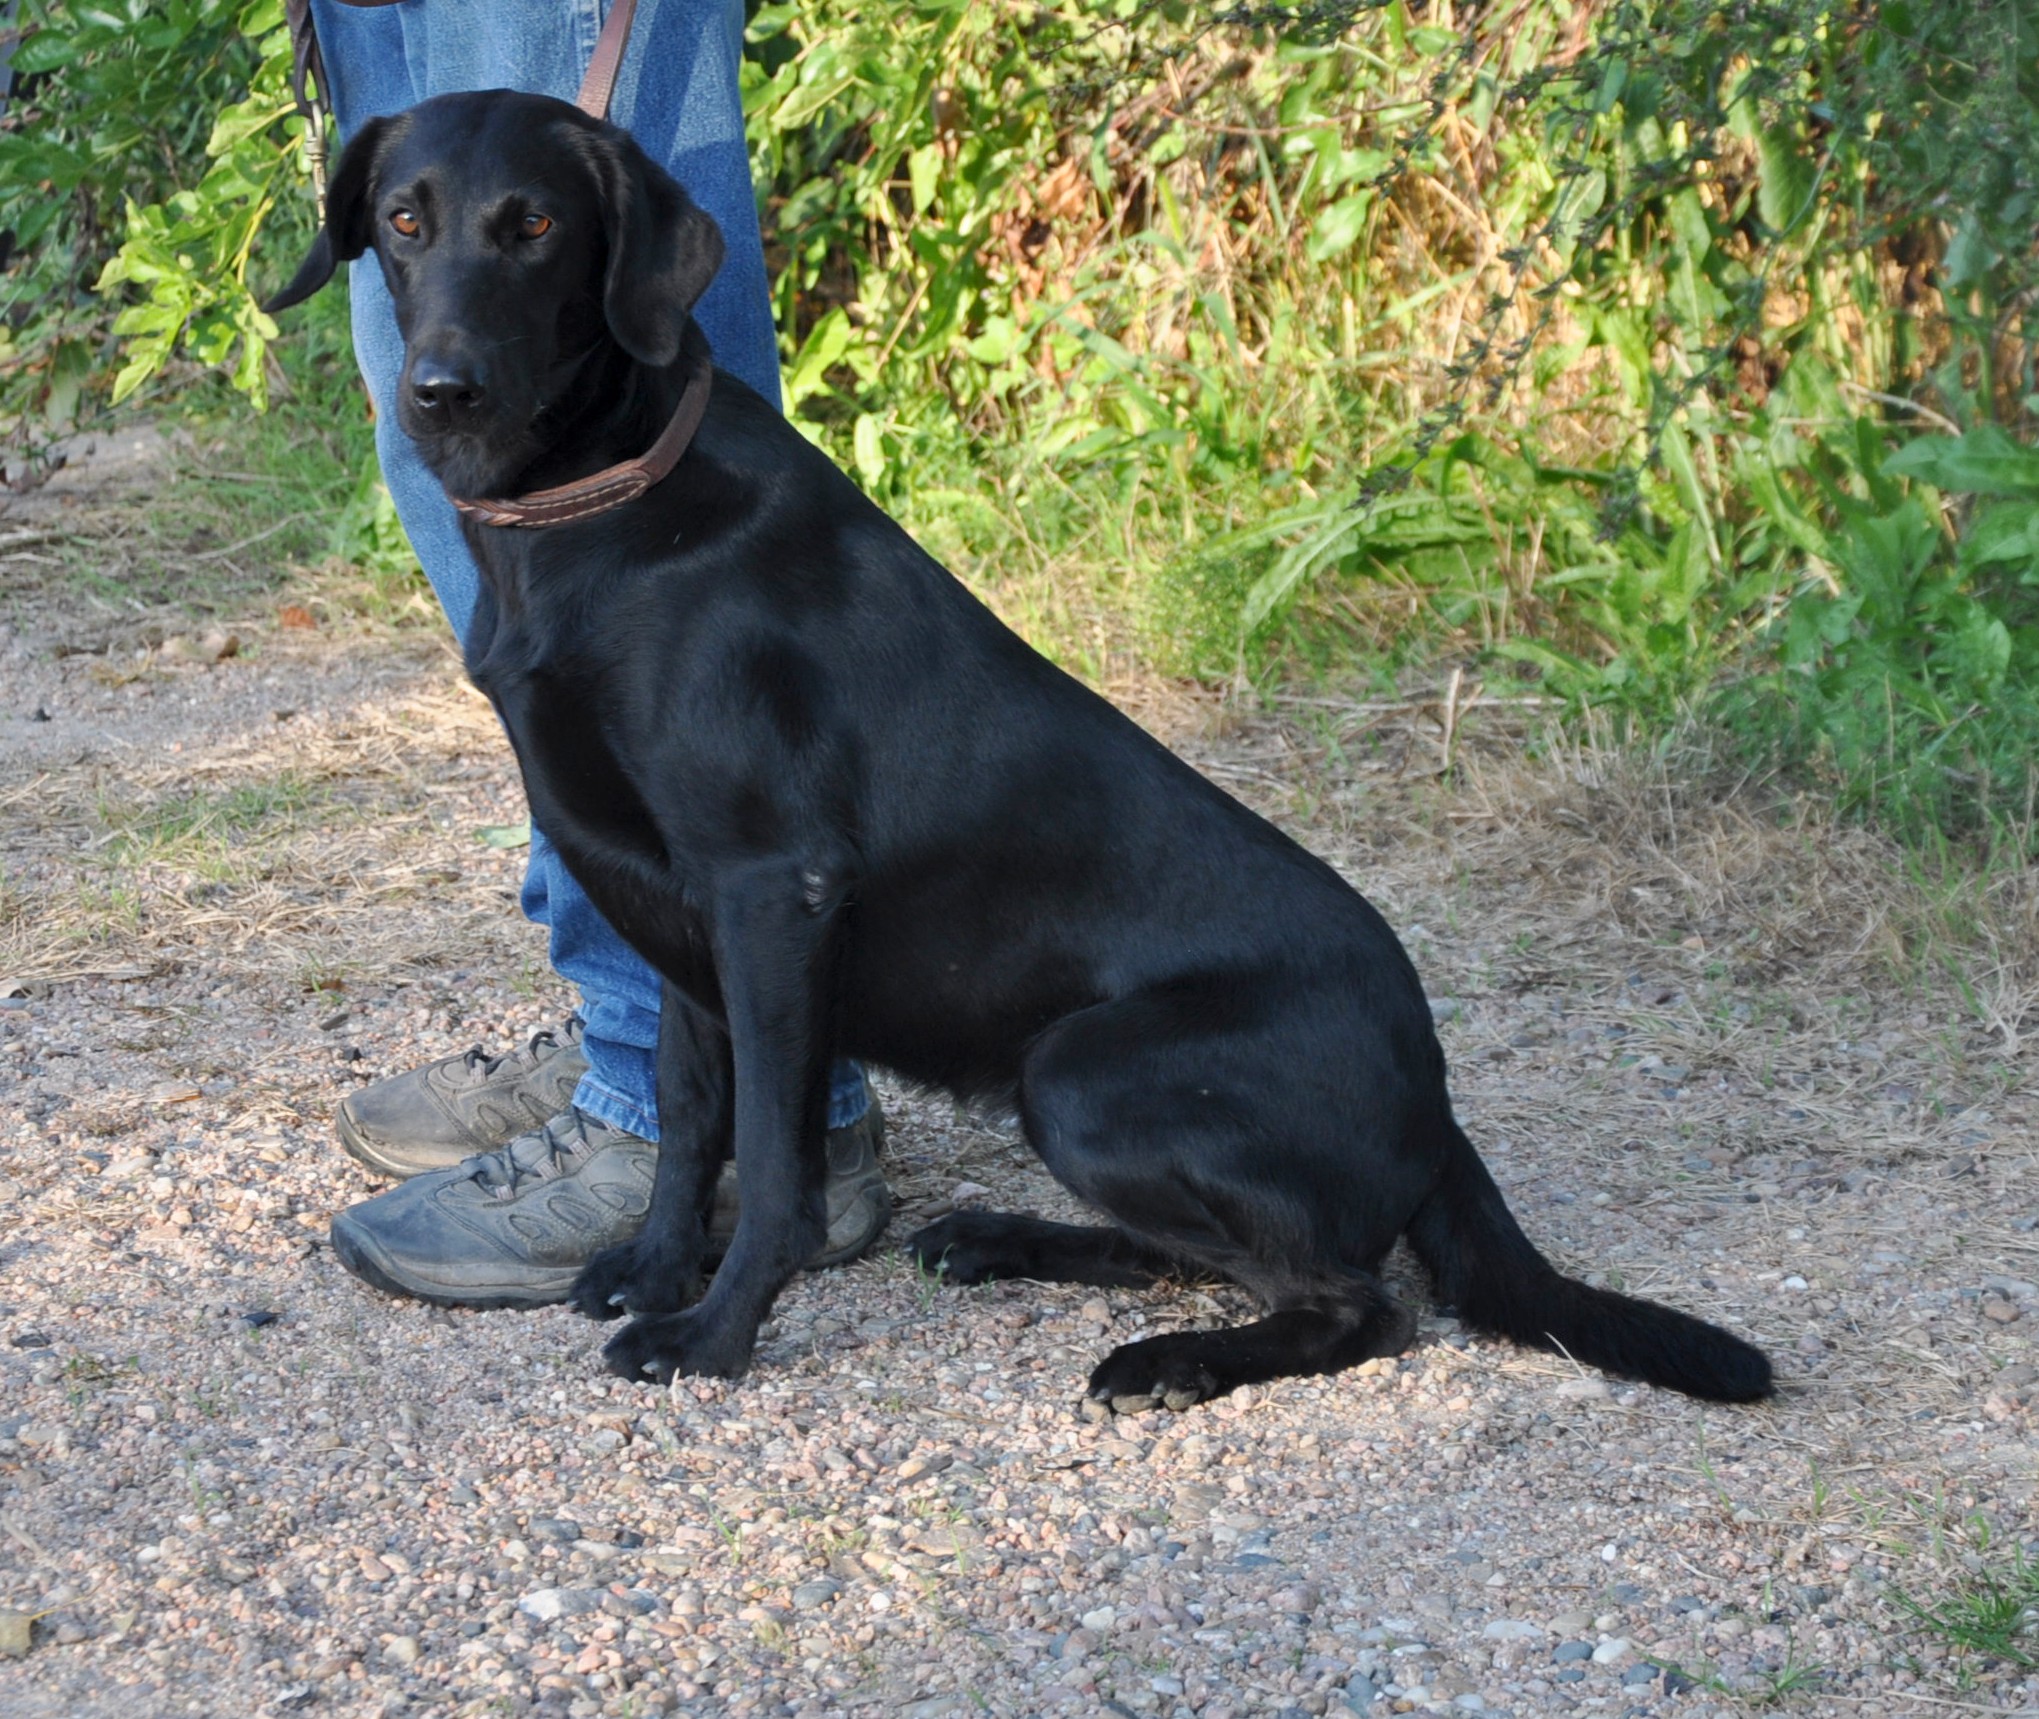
612, 486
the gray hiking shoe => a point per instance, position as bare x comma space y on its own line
506, 1229
859, 1202
513, 1228
433, 1117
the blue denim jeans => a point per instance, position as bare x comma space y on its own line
677, 93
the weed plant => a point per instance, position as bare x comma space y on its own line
1993, 1612
1568, 341
1661, 356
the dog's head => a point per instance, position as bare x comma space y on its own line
519, 238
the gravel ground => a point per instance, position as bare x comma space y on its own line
1698, 1043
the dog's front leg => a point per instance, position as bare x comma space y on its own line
773, 925
660, 1270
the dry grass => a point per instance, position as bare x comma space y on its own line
313, 846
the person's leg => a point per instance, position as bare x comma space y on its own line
677, 92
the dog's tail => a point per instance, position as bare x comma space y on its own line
1487, 1268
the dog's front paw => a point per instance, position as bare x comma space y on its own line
1171, 1372
673, 1344
631, 1279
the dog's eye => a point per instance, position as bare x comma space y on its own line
536, 226
404, 222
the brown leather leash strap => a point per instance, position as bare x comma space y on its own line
600, 83
613, 485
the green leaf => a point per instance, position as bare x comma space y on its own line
1985, 461
50, 49
1568, 676
1784, 194
995, 345
826, 342
1797, 527
869, 445
808, 99
923, 168
1338, 228
2002, 533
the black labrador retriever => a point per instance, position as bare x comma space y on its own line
843, 810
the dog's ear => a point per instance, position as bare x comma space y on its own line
664, 249
345, 234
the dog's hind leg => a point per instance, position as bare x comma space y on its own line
977, 1247
1221, 1125
660, 1269
1320, 1333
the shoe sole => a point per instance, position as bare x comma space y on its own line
361, 1257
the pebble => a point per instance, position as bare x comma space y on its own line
17, 1633
1567, 1651
553, 1530
402, 1650
810, 1595
548, 1605
1511, 1629
1612, 1651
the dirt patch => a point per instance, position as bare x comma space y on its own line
1716, 1049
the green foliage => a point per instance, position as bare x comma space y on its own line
189, 254
1558, 338
1907, 665
1557, 356
114, 108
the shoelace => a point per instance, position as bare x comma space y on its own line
546, 1150
482, 1066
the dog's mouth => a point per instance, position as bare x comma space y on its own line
480, 456
475, 434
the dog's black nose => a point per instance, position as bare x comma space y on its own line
446, 390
